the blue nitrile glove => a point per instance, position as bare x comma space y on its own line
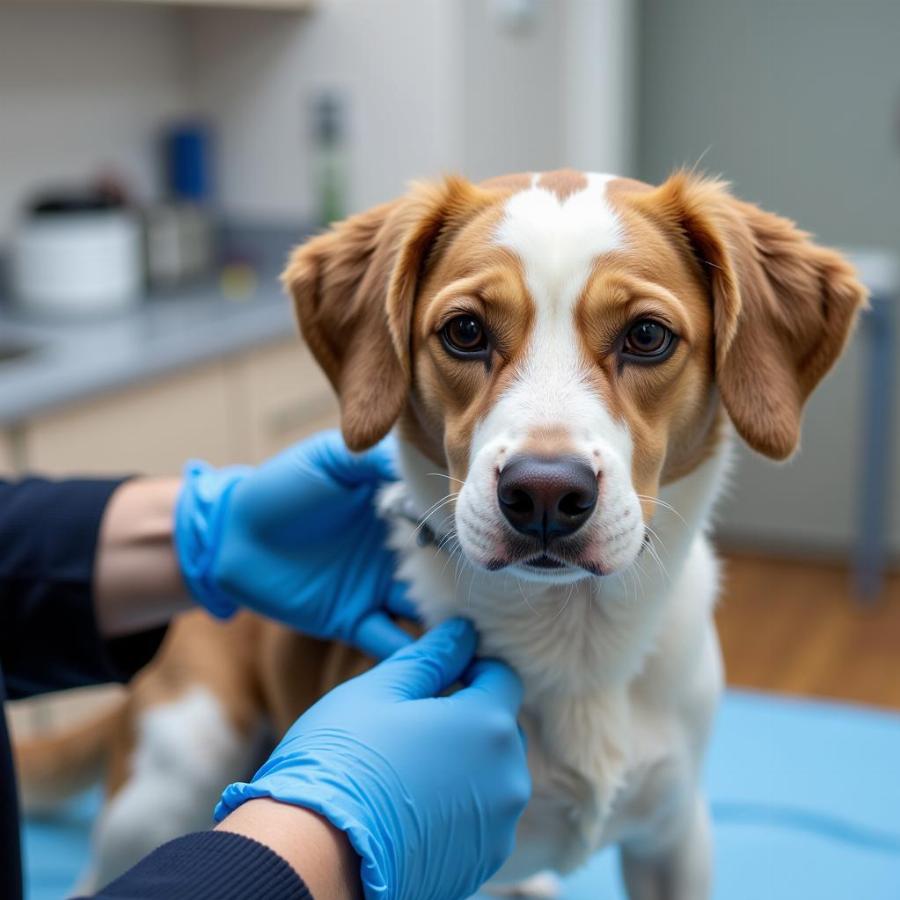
296, 539
428, 789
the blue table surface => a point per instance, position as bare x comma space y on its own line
805, 798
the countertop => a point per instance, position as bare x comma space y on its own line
67, 362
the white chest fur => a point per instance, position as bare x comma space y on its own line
620, 673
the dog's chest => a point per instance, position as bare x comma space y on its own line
599, 767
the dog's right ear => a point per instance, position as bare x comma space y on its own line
354, 289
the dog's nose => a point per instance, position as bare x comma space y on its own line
547, 496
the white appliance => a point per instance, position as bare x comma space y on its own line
78, 262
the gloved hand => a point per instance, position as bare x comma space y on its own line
428, 789
296, 539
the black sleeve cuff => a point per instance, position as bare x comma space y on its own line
209, 865
48, 631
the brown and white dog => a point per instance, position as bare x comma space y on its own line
563, 357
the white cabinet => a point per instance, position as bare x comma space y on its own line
240, 409
149, 429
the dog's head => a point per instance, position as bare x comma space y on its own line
564, 344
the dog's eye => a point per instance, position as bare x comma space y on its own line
465, 336
648, 341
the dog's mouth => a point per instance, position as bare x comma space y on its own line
545, 561
554, 562
545, 564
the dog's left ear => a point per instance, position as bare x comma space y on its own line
354, 289
783, 307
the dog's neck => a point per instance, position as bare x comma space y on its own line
580, 638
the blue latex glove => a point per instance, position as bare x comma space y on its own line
428, 789
298, 540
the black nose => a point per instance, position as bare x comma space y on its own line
547, 496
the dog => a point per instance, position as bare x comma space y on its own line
564, 358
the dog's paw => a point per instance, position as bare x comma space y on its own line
543, 886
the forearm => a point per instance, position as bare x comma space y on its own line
137, 582
317, 851
49, 637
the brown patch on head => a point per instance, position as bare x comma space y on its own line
760, 313
373, 294
668, 407
563, 182
508, 184
354, 290
782, 306
473, 276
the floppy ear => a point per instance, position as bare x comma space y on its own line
783, 307
354, 289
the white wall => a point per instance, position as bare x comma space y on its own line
257, 76
600, 85
431, 86
84, 86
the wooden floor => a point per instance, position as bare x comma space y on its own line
794, 627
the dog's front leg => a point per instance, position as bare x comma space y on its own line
679, 866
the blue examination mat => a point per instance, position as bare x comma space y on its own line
805, 798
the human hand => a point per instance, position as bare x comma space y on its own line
428, 789
296, 539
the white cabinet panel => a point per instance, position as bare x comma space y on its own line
151, 429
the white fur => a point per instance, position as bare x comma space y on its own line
621, 672
186, 751
558, 242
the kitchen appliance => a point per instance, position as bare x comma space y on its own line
77, 254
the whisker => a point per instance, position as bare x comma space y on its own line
432, 510
448, 477
522, 592
654, 555
663, 504
655, 536
562, 609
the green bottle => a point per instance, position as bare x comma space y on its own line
329, 161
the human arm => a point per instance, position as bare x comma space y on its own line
296, 539
427, 788
320, 853
91, 570
49, 634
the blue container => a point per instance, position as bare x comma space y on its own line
188, 154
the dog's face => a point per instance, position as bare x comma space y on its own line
564, 344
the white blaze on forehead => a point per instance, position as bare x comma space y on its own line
557, 242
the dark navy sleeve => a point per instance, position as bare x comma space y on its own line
48, 633
209, 865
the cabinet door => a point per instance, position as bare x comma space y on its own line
151, 429
281, 396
